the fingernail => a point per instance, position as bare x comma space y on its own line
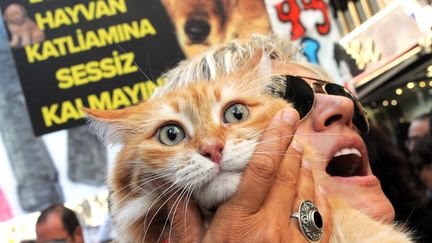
290, 116
306, 164
297, 146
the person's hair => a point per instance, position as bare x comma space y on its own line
422, 153
422, 116
230, 56
429, 116
398, 181
68, 217
401, 134
391, 166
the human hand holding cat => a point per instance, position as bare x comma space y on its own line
271, 189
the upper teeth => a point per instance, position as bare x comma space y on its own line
346, 151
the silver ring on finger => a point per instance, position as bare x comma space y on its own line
310, 221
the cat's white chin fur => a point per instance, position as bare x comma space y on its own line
218, 190
132, 211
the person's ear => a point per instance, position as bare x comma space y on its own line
78, 236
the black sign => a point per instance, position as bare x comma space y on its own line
102, 54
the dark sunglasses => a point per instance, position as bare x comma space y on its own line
302, 94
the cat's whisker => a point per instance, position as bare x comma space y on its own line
167, 219
324, 134
124, 51
162, 194
185, 192
169, 189
318, 176
308, 134
318, 134
289, 136
148, 179
271, 153
292, 156
189, 196
275, 139
114, 204
174, 207
310, 157
138, 188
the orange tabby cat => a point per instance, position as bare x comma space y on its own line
197, 140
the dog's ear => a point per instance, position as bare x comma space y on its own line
169, 7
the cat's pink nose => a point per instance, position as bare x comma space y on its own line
213, 151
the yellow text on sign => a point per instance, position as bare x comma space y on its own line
63, 112
71, 15
95, 71
85, 41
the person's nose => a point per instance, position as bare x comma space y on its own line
332, 110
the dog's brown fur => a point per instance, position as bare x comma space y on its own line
226, 20
22, 29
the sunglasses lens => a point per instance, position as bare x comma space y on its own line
300, 94
359, 118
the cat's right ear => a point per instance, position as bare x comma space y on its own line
109, 125
259, 64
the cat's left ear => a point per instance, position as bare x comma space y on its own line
110, 126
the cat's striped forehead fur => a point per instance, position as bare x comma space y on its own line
227, 59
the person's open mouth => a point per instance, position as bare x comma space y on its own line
346, 162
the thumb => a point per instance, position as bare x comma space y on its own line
185, 217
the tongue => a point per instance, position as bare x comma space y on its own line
345, 166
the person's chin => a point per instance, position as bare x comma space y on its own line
376, 205
366, 197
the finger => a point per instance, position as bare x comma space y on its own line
308, 191
324, 208
185, 218
284, 189
306, 184
261, 171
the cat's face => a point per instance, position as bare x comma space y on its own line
198, 138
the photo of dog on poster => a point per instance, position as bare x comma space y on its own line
23, 30
202, 23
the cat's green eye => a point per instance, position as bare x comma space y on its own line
235, 113
171, 134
